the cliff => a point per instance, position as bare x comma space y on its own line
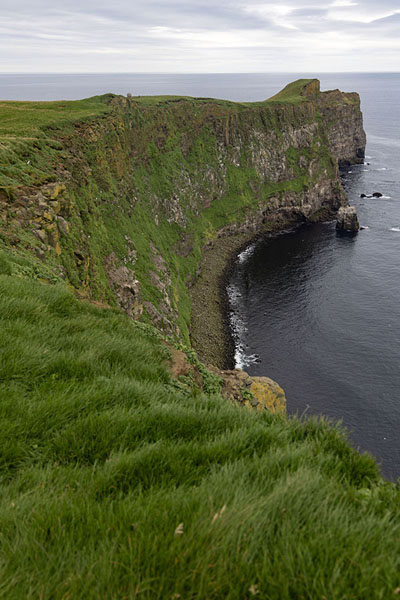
119, 196
127, 467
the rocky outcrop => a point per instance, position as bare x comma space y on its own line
347, 219
344, 125
125, 286
259, 393
374, 195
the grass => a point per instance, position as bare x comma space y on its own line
26, 127
293, 93
116, 481
115, 484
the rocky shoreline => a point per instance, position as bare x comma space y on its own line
210, 331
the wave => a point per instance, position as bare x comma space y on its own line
245, 254
237, 323
395, 229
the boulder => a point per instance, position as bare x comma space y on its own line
259, 393
347, 219
377, 195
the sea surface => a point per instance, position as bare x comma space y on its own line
316, 311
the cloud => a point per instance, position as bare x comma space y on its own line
199, 35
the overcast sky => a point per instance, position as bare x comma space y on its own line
199, 36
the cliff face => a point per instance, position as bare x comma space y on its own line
343, 120
120, 197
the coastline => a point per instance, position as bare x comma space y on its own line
209, 326
210, 331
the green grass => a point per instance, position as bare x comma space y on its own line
26, 127
293, 92
27, 119
102, 459
116, 481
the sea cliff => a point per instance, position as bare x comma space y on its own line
120, 196
129, 468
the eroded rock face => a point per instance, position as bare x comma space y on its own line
42, 211
125, 286
347, 219
344, 124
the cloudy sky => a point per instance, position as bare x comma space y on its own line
198, 36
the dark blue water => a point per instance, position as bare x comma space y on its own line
317, 312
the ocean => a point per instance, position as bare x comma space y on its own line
318, 312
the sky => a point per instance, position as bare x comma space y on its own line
199, 36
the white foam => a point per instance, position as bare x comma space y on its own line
238, 325
243, 256
395, 229
382, 169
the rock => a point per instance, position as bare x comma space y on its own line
347, 219
40, 253
41, 235
62, 225
268, 395
363, 195
52, 190
125, 286
260, 393
377, 195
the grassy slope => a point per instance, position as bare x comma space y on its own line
103, 456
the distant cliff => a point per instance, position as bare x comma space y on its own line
119, 196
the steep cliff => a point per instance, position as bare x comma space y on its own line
119, 196
127, 468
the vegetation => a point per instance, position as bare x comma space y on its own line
116, 480
116, 483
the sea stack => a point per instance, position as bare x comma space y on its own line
347, 219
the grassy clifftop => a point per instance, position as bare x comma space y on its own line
118, 478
